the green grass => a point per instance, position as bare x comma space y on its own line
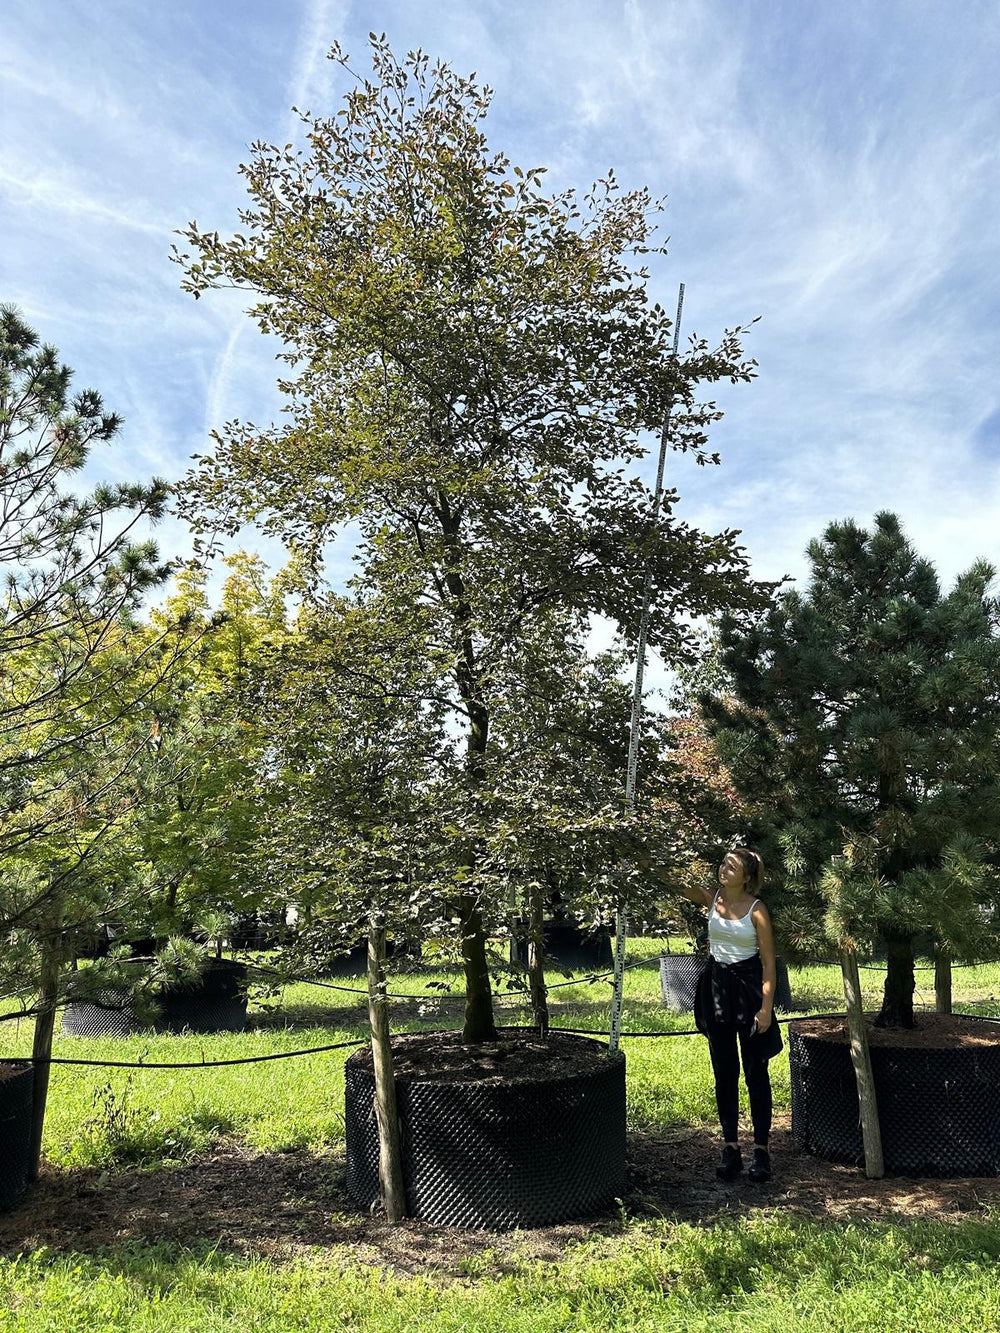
764, 1273
760, 1272
110, 1117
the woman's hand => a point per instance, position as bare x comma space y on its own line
763, 1020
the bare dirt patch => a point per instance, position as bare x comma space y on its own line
281, 1205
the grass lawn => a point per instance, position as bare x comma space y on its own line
213, 1199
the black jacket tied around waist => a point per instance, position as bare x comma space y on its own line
732, 993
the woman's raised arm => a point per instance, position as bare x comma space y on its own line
696, 894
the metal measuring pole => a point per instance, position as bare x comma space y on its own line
633, 736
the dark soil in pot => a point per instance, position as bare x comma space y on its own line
522, 1132
937, 1087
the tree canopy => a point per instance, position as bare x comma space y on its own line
475, 362
70, 681
864, 720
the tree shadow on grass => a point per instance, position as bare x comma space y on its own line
285, 1205
440, 1011
338, 1018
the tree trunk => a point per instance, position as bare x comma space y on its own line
41, 1048
942, 982
871, 1131
390, 1157
536, 956
897, 997
479, 1022
515, 925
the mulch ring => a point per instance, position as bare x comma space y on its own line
282, 1205
519, 1055
946, 1032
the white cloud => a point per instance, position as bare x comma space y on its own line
838, 177
54, 191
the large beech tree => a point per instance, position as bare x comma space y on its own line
864, 719
473, 361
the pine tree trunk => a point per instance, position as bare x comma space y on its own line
942, 982
390, 1157
897, 997
536, 955
41, 1048
871, 1131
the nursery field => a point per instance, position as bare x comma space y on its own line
214, 1198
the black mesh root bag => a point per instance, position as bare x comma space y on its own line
495, 1156
16, 1078
216, 1002
939, 1107
573, 947
679, 973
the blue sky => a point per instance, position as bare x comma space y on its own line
831, 167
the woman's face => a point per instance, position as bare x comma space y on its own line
732, 872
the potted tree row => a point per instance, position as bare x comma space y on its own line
185, 845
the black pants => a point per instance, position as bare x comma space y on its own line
722, 1043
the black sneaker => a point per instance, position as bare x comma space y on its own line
731, 1165
760, 1167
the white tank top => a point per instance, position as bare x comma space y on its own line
732, 941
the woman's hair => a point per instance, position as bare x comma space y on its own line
754, 867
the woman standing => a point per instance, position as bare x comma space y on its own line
734, 1003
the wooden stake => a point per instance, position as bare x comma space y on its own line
871, 1131
390, 1156
631, 768
41, 1047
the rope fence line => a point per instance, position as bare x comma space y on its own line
693, 1032
361, 1041
586, 979
583, 980
180, 1064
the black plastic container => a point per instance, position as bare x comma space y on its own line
679, 973
16, 1080
216, 1002
939, 1107
573, 947
497, 1155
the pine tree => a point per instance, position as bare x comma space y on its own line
70, 687
865, 723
